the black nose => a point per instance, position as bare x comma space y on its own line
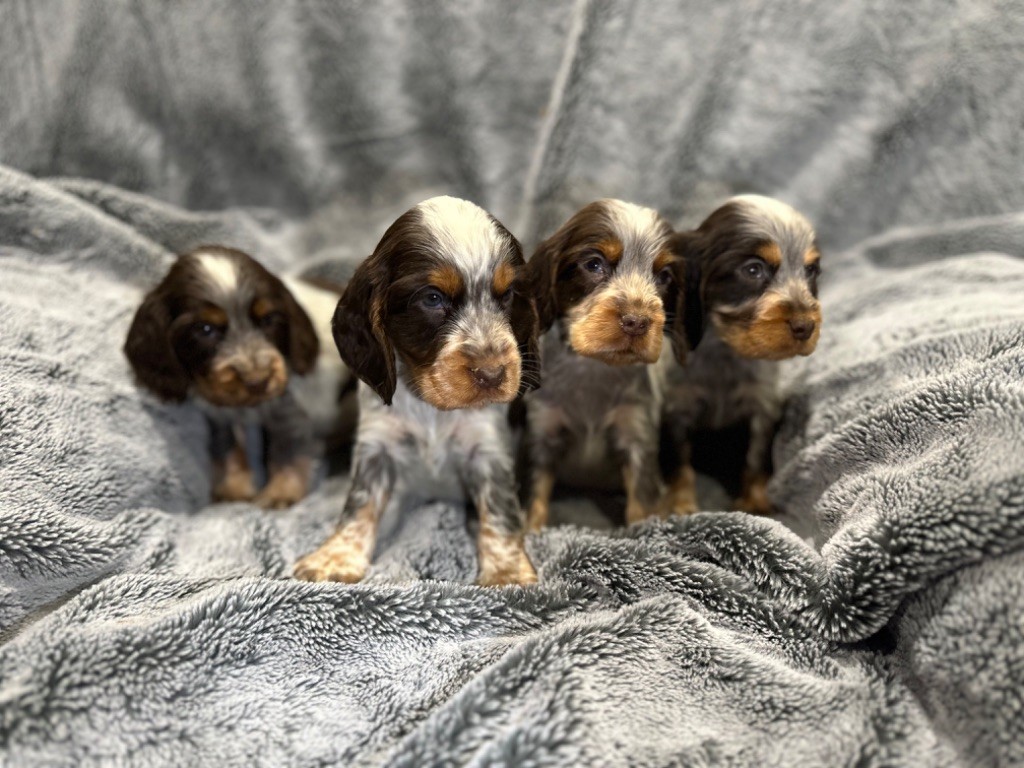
257, 386
801, 329
634, 325
255, 382
489, 378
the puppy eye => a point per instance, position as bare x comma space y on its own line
596, 265
754, 269
664, 277
505, 298
207, 330
270, 320
812, 270
432, 298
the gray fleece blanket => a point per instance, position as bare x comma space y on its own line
882, 624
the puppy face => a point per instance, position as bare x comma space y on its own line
440, 295
604, 276
223, 327
759, 267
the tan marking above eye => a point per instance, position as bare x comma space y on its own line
213, 316
812, 256
662, 260
446, 278
770, 253
611, 248
504, 274
262, 307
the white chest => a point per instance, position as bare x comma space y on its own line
433, 450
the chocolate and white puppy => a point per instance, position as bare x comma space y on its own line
221, 329
754, 263
436, 330
601, 283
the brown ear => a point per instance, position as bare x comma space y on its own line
523, 317
526, 328
149, 351
542, 277
358, 328
684, 302
303, 343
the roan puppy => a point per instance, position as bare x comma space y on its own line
222, 330
601, 283
433, 325
754, 263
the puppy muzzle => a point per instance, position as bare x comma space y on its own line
479, 365
619, 330
245, 377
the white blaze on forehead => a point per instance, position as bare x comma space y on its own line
465, 234
641, 230
778, 221
220, 270
768, 206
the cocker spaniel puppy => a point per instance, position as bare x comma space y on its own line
247, 347
435, 328
601, 283
754, 263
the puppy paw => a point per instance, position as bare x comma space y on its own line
754, 498
523, 574
505, 565
537, 518
681, 496
677, 504
286, 486
332, 565
235, 486
278, 498
636, 512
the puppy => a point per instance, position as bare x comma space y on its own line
754, 263
222, 330
601, 284
441, 338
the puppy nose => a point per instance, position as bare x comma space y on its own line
801, 329
489, 378
255, 382
634, 325
256, 386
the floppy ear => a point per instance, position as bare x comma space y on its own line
358, 328
687, 326
541, 278
148, 349
303, 343
526, 328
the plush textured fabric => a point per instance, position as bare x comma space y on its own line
141, 625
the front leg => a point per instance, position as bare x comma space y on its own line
491, 484
232, 477
634, 436
681, 496
756, 472
640, 478
548, 438
345, 556
542, 485
291, 449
